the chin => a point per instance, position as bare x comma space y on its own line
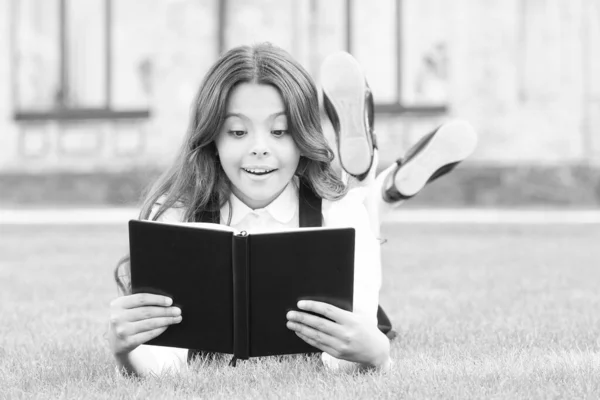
264, 197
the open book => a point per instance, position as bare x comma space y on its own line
234, 289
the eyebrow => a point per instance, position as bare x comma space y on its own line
240, 115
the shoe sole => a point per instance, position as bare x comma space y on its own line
452, 143
343, 83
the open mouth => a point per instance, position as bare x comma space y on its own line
258, 171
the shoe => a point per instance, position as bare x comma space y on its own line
348, 103
436, 154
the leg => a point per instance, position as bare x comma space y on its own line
348, 104
432, 157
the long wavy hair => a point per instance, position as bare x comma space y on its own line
196, 181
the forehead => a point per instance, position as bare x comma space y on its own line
255, 99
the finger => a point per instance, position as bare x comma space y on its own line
143, 337
147, 325
143, 299
321, 338
324, 309
314, 343
314, 321
149, 312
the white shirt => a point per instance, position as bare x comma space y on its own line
282, 214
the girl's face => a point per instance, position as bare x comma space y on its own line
256, 150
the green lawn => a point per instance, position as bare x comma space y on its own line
482, 312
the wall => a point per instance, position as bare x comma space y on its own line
524, 73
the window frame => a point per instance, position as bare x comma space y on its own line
62, 112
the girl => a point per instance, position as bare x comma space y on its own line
255, 134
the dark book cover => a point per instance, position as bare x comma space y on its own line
234, 289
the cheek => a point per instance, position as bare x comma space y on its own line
227, 152
228, 161
293, 154
294, 161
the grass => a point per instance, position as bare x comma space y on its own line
482, 312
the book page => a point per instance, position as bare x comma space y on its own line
203, 225
308, 229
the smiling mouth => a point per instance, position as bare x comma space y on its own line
258, 171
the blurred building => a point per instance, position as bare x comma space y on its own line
106, 85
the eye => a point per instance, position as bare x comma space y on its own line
237, 134
279, 132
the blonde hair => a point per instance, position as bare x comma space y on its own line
196, 181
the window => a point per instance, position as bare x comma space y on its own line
66, 66
405, 60
248, 21
279, 22
402, 47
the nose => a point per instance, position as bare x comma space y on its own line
260, 146
260, 152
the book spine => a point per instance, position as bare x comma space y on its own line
241, 322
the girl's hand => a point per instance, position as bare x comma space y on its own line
347, 336
137, 318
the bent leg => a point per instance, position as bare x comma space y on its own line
432, 157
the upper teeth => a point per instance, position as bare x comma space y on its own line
257, 170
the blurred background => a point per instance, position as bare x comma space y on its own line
95, 94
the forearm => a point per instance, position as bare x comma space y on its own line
151, 360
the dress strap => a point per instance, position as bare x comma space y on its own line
310, 206
213, 217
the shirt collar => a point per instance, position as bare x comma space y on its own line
282, 209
